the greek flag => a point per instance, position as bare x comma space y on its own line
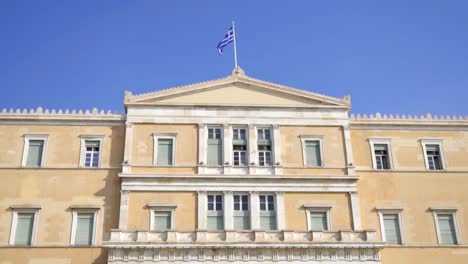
228, 38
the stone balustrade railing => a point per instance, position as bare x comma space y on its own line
427, 117
235, 236
61, 114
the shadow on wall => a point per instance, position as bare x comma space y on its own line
111, 190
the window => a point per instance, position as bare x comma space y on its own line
264, 134
34, 150
239, 146
318, 217
215, 220
23, 227
264, 146
381, 154
215, 147
241, 212
446, 226
91, 150
433, 154
164, 149
391, 225
267, 212
264, 155
162, 216
312, 152
84, 226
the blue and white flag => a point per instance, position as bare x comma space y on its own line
228, 38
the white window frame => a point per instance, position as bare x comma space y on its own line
246, 151
223, 205
318, 209
249, 204
83, 209
214, 126
305, 138
156, 137
27, 138
381, 141
264, 128
391, 210
83, 139
439, 142
446, 210
275, 206
14, 222
161, 207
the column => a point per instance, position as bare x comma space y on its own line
123, 212
228, 210
227, 148
277, 149
280, 221
128, 147
354, 198
253, 148
202, 147
348, 150
202, 209
254, 211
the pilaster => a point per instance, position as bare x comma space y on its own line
123, 212
228, 210
254, 210
280, 219
202, 209
355, 209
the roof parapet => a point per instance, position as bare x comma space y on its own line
40, 112
409, 117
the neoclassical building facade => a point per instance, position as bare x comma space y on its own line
232, 170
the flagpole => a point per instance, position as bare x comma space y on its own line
235, 47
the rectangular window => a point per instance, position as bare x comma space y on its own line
433, 156
382, 159
447, 229
264, 134
239, 146
162, 220
215, 147
24, 229
241, 212
267, 212
84, 229
165, 151
92, 153
264, 155
215, 219
318, 221
391, 228
313, 153
35, 153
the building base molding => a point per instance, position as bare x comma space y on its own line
243, 246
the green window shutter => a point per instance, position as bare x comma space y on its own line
24, 229
215, 222
313, 153
318, 221
447, 229
165, 151
268, 221
84, 229
162, 220
215, 154
392, 228
242, 222
35, 153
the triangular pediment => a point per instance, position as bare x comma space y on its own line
236, 90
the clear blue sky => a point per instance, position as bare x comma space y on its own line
406, 57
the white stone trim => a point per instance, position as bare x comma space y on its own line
433, 141
27, 138
348, 148
127, 160
155, 207
280, 215
123, 212
227, 145
391, 210
156, 137
318, 208
219, 184
253, 147
355, 209
228, 210
254, 210
383, 141
75, 212
318, 138
14, 222
202, 199
446, 210
276, 148
83, 139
